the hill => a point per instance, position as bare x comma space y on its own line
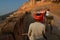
3, 17
18, 20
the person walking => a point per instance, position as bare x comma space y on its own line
49, 20
36, 30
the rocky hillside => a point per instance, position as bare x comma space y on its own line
54, 7
20, 18
4, 16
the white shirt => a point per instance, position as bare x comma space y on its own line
36, 29
47, 13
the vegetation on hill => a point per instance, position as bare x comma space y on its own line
3, 17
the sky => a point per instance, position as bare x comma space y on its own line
7, 6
